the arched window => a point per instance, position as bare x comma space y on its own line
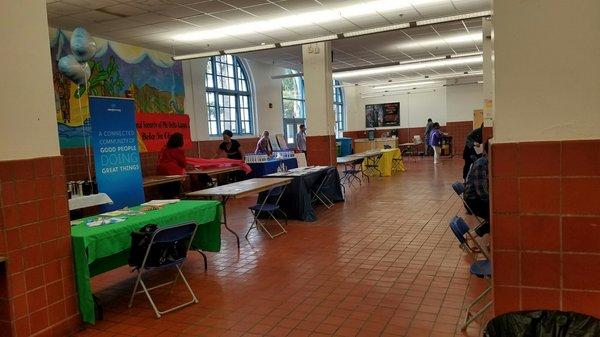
228, 96
338, 106
292, 93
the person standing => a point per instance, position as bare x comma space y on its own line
264, 145
428, 128
474, 139
301, 139
435, 141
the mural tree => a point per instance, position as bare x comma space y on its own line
103, 81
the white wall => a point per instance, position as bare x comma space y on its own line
28, 125
461, 100
265, 90
445, 104
547, 72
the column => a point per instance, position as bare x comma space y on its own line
318, 91
37, 291
488, 78
545, 160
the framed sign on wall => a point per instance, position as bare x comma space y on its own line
386, 114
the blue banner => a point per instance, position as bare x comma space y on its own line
116, 155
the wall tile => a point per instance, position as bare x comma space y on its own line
539, 195
581, 234
581, 158
582, 302
506, 268
503, 160
505, 195
539, 159
535, 299
580, 195
506, 299
581, 271
506, 231
540, 270
540, 233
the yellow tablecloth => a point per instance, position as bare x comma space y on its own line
386, 162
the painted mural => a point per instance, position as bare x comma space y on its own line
152, 78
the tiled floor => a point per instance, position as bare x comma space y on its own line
383, 263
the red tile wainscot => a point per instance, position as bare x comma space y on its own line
546, 225
37, 290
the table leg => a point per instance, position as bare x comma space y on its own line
224, 203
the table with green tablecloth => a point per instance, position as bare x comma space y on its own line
102, 248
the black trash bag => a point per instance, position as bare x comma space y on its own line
139, 244
543, 323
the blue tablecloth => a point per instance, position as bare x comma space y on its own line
262, 169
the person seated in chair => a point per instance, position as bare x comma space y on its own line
476, 193
264, 145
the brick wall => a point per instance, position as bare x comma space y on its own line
546, 226
37, 290
321, 150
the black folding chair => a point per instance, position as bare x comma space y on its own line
372, 165
318, 194
270, 209
168, 246
351, 171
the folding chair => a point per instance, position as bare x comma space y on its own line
168, 246
459, 189
372, 164
270, 209
479, 268
318, 194
398, 163
351, 171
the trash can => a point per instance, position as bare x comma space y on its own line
543, 323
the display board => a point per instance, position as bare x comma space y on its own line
378, 115
115, 148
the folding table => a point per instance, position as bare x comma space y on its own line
238, 190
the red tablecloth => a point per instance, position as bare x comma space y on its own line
201, 163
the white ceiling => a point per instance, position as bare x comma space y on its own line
155, 23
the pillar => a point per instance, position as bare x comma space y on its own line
488, 77
545, 159
318, 91
37, 291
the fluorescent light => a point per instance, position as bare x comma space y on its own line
376, 30
196, 56
303, 19
441, 57
409, 67
473, 37
307, 41
405, 85
249, 49
454, 18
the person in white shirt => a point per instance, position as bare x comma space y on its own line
301, 139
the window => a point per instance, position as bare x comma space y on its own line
292, 93
338, 106
227, 96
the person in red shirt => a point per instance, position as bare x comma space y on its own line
172, 157
171, 161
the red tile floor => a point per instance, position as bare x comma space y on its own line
384, 263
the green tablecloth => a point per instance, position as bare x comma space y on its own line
102, 248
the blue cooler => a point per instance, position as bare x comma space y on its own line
345, 146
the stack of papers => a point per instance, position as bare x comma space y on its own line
160, 203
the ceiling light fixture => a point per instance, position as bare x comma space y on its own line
408, 67
303, 19
407, 85
474, 37
243, 29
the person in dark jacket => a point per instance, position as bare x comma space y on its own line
474, 139
428, 128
